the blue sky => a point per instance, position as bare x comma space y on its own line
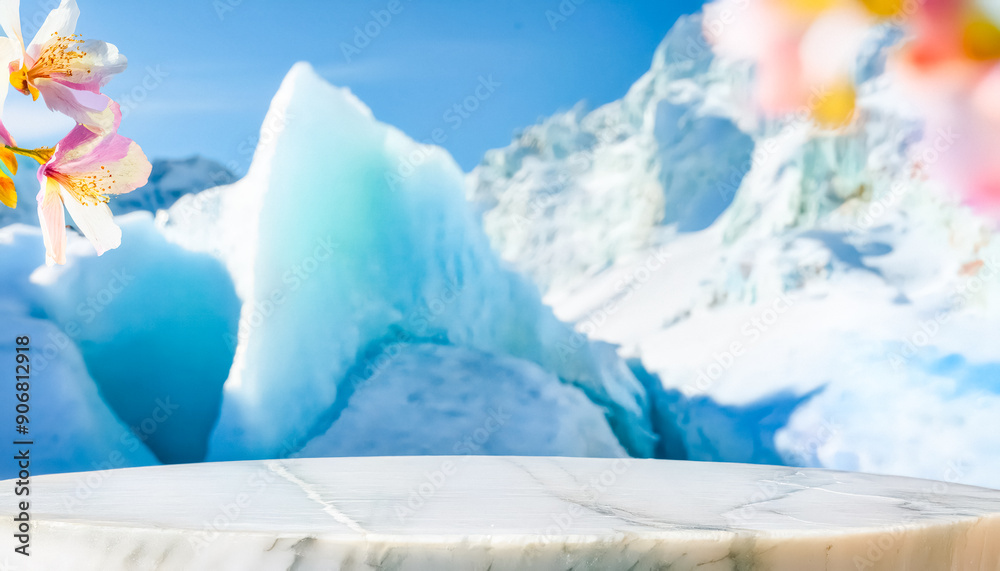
202, 72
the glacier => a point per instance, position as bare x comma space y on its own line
337, 257
272, 316
822, 302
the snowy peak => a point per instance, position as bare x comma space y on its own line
294, 103
577, 192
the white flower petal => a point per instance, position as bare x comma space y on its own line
95, 221
52, 220
84, 107
60, 22
10, 20
127, 173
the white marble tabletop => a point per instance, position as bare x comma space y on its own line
497, 513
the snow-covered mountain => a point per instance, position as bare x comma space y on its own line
789, 294
579, 191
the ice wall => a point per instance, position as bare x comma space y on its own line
346, 236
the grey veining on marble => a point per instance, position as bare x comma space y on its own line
499, 513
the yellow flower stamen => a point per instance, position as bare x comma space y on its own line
885, 8
981, 38
808, 7
56, 59
836, 106
90, 189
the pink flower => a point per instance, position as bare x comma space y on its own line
66, 71
81, 173
804, 51
951, 66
